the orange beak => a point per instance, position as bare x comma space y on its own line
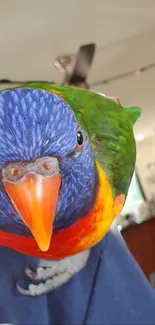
35, 199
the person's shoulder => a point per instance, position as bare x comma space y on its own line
120, 286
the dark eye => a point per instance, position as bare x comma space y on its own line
80, 138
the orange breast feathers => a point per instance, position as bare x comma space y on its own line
82, 235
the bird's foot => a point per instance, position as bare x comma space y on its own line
50, 275
44, 287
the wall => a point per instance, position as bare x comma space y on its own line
145, 156
140, 240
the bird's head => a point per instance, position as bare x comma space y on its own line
48, 173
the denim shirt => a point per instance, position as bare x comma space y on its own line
111, 289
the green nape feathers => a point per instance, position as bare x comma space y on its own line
109, 128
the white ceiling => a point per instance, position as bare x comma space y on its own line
34, 32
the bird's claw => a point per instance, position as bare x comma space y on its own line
43, 288
41, 273
25, 292
30, 274
51, 275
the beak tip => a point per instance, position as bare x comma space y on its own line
44, 247
43, 243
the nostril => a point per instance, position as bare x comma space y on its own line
14, 171
46, 166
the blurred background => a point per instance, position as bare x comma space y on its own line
108, 47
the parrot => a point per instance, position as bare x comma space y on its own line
67, 156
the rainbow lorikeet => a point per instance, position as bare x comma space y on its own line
67, 157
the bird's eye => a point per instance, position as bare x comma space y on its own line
80, 139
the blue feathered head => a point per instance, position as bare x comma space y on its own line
36, 124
